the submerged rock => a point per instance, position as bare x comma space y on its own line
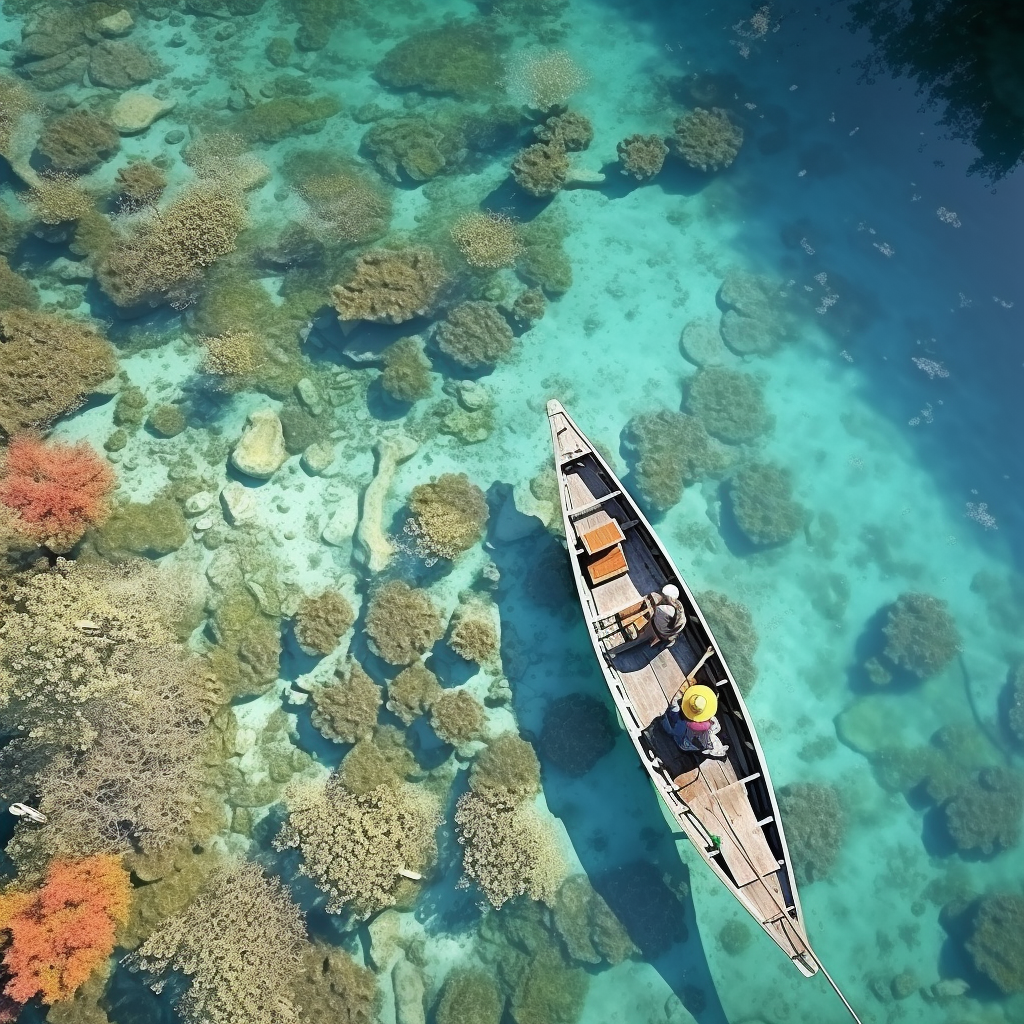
136, 111
373, 548
318, 457
341, 527
260, 451
239, 503
407, 981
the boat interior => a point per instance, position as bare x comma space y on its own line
723, 803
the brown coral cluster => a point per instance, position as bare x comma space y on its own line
542, 169
642, 156
706, 139
488, 240
79, 141
390, 286
59, 197
345, 207
48, 365
165, 252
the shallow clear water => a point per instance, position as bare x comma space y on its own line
893, 386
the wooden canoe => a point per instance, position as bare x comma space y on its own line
725, 806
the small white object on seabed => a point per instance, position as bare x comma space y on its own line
24, 811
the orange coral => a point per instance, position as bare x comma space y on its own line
60, 934
57, 490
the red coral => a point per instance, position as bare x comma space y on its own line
57, 490
62, 932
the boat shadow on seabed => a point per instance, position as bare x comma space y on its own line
610, 812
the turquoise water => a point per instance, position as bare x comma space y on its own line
885, 309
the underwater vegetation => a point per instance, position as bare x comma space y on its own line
921, 635
669, 450
391, 286
403, 623
733, 627
449, 515
815, 828
706, 139
762, 503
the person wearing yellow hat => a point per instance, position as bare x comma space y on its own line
690, 720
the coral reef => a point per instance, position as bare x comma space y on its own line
473, 635
729, 403
346, 206
345, 710
642, 156
331, 986
488, 240
996, 944
762, 503
734, 937
572, 130
412, 691
456, 716
669, 449
412, 146
48, 365
152, 528
119, 64
706, 139
236, 357
921, 635
403, 623
141, 182
15, 291
549, 991
391, 286
57, 491
506, 770
406, 376
544, 79
165, 253
381, 760
734, 630
545, 262
541, 169
59, 934
239, 944
449, 515
578, 731
1014, 706
508, 849
321, 621
529, 307
59, 198
359, 850
462, 59
166, 420
275, 119
985, 812
474, 334
591, 932
469, 996
815, 824
78, 141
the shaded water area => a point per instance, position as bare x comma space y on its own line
290, 656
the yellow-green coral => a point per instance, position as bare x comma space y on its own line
321, 621
346, 709
761, 494
381, 760
470, 996
506, 770
78, 141
406, 375
707, 139
391, 286
332, 986
456, 716
473, 634
541, 169
164, 254
48, 365
360, 849
345, 206
449, 514
411, 692
488, 240
58, 198
151, 528
402, 622
15, 291
642, 156
276, 119
729, 403
475, 334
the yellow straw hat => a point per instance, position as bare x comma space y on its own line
699, 703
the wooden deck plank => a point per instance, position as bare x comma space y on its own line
737, 810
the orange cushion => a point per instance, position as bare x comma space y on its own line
608, 566
601, 537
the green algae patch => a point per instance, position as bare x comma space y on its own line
152, 529
276, 119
